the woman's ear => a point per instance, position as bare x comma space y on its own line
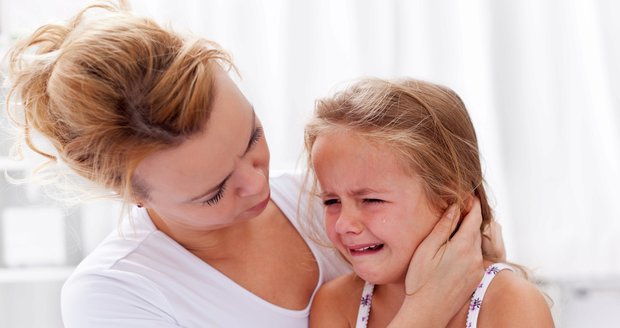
139, 201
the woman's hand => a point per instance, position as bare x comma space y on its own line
443, 274
493, 242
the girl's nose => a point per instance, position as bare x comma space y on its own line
349, 221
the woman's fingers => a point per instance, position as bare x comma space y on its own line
470, 227
443, 229
424, 259
466, 246
454, 269
493, 242
467, 231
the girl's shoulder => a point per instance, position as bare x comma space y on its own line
512, 300
346, 287
336, 303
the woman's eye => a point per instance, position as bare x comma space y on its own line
213, 200
258, 133
328, 202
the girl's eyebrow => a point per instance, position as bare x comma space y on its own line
355, 193
219, 185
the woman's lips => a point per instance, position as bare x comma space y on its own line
261, 206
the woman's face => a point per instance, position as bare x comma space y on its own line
376, 214
216, 178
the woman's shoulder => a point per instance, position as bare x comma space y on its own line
337, 302
287, 190
287, 177
89, 297
129, 275
126, 259
513, 300
134, 235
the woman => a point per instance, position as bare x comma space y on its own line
213, 240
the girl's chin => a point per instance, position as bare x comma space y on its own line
380, 277
377, 278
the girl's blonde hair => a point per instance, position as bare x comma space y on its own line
109, 88
428, 127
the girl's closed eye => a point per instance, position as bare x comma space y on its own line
328, 202
373, 200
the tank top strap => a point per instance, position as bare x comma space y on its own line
363, 313
478, 296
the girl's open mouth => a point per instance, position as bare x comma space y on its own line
367, 249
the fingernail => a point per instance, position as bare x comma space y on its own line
452, 212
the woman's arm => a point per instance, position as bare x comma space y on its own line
493, 242
442, 275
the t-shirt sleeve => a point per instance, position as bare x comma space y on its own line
114, 299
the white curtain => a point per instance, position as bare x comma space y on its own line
540, 79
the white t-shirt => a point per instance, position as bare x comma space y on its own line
140, 277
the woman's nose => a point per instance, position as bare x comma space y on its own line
252, 181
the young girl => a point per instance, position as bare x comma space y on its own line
390, 157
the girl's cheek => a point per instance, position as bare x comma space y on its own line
330, 223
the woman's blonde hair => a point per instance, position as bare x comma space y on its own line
109, 88
428, 127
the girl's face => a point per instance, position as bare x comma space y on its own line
376, 214
213, 179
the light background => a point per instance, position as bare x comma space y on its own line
540, 79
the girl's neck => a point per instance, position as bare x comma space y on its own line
392, 291
386, 301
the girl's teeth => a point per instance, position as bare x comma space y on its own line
373, 247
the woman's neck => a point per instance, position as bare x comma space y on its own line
217, 244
